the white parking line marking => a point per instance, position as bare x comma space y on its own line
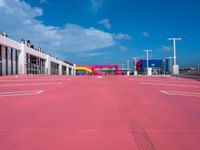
165, 84
99, 77
178, 93
21, 93
165, 81
24, 80
32, 84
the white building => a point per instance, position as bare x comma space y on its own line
23, 58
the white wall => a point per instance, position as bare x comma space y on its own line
23, 49
22, 60
3, 52
9, 42
34, 52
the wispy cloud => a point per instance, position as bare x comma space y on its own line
145, 34
122, 36
123, 48
166, 48
106, 23
2, 3
70, 38
43, 1
96, 4
94, 54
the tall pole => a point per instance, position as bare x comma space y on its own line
135, 59
123, 68
128, 66
174, 41
135, 66
147, 53
175, 66
174, 45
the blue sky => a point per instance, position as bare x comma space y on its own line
106, 31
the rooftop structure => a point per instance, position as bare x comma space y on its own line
25, 58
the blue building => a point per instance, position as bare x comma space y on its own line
159, 66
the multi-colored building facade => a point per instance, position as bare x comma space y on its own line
159, 66
98, 70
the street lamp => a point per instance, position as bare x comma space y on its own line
147, 53
123, 69
128, 67
175, 66
135, 66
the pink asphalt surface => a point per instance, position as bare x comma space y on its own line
90, 113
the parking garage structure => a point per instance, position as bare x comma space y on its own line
34, 65
9, 56
23, 58
8, 60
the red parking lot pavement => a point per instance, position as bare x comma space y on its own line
91, 113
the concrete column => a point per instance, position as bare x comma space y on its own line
3, 61
60, 68
67, 70
48, 65
74, 70
22, 60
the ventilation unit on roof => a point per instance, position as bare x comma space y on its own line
26, 42
4, 34
32, 46
40, 50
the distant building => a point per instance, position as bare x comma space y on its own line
24, 58
159, 66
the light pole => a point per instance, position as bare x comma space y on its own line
123, 69
175, 66
147, 53
164, 63
128, 67
135, 66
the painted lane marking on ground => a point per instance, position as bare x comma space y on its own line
31, 84
178, 93
166, 81
21, 93
99, 77
165, 84
11, 80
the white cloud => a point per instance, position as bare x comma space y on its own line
96, 4
2, 3
43, 1
81, 39
166, 48
145, 34
123, 48
18, 19
122, 36
92, 54
106, 23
